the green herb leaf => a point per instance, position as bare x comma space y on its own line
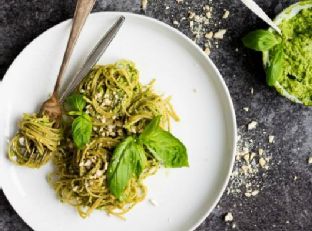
260, 40
128, 161
166, 148
275, 67
75, 102
82, 130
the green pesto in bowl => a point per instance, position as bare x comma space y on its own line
295, 82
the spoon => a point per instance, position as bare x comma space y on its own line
52, 106
255, 8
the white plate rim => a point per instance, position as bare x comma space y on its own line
197, 49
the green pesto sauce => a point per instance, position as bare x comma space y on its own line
297, 47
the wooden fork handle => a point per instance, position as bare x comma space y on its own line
83, 9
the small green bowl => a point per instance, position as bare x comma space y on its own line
286, 14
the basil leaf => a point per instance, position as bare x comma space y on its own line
260, 40
75, 102
81, 130
275, 67
128, 161
166, 148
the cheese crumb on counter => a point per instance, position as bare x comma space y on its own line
144, 4
252, 125
310, 160
271, 139
228, 217
220, 34
226, 14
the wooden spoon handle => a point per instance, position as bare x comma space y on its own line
83, 9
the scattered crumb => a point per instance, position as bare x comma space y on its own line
251, 164
233, 226
251, 91
262, 162
260, 151
248, 194
209, 35
255, 193
175, 22
226, 14
219, 34
295, 178
144, 4
252, 125
228, 217
236, 49
310, 160
207, 50
153, 202
271, 139
246, 109
179, 1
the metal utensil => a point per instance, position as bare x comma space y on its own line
93, 57
254, 7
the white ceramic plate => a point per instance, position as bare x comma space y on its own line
185, 196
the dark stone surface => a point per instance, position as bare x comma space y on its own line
283, 203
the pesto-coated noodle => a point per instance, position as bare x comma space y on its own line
119, 106
35, 142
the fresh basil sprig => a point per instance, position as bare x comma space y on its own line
82, 124
75, 102
275, 67
166, 148
82, 130
128, 161
260, 40
129, 157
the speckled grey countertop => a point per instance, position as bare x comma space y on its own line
285, 199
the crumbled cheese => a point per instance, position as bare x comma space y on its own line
310, 160
251, 91
179, 1
260, 151
252, 125
175, 22
167, 7
219, 34
228, 217
21, 140
88, 163
247, 176
226, 14
248, 194
207, 50
255, 193
262, 162
246, 109
99, 173
209, 35
144, 4
191, 15
153, 202
271, 139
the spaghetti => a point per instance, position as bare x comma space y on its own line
119, 106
